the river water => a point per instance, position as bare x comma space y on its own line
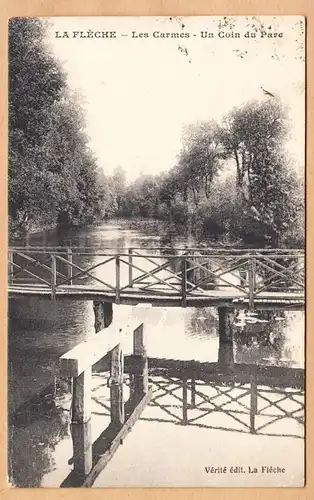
40, 331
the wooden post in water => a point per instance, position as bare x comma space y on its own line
82, 448
103, 314
140, 380
116, 386
81, 423
81, 401
225, 354
253, 406
70, 267
130, 267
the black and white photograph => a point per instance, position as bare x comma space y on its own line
156, 260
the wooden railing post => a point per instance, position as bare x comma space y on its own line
81, 422
116, 386
53, 276
193, 391
183, 281
140, 381
253, 405
82, 448
117, 279
81, 401
70, 268
11, 266
252, 278
130, 267
225, 330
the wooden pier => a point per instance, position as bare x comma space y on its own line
91, 457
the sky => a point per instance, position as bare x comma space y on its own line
138, 93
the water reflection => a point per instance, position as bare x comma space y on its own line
262, 338
35, 429
42, 330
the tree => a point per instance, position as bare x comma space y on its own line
251, 130
253, 136
142, 198
199, 159
52, 172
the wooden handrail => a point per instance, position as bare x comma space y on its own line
178, 275
185, 249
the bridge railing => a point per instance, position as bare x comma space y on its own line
183, 273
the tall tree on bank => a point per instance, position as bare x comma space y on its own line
52, 173
199, 159
253, 136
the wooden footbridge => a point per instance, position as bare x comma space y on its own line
241, 278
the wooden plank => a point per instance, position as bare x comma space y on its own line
173, 275
210, 298
151, 274
232, 285
272, 261
81, 399
116, 386
82, 448
38, 263
25, 270
158, 268
138, 341
216, 277
116, 442
86, 271
139, 383
284, 274
87, 353
193, 391
208, 250
140, 314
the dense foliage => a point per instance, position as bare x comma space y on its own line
232, 181
53, 175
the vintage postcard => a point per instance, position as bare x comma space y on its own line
156, 329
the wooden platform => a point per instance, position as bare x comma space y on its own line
231, 297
